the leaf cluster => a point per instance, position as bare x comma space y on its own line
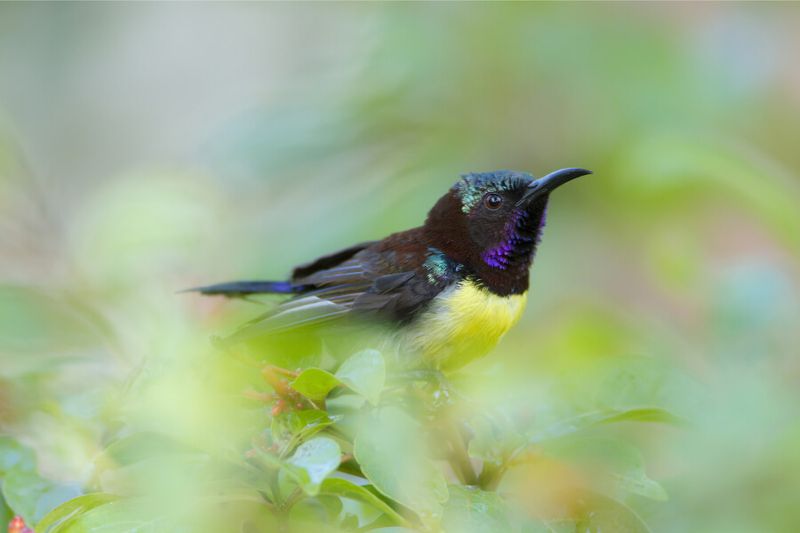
356, 448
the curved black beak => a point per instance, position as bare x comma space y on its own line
547, 184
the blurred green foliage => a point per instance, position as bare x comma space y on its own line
146, 148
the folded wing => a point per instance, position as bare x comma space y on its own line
381, 280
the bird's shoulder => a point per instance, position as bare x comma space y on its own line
408, 273
392, 278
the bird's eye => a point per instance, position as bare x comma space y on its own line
493, 201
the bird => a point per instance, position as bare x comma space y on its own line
444, 293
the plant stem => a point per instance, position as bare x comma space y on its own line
459, 456
293, 498
492, 475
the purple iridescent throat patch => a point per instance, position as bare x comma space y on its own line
518, 242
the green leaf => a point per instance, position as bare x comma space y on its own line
15, 455
292, 427
314, 383
642, 414
471, 510
493, 440
33, 321
118, 516
365, 374
347, 489
634, 479
609, 416
322, 509
71, 509
616, 462
390, 450
32, 496
5, 513
138, 447
155, 514
314, 461
600, 513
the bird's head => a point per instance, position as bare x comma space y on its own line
492, 221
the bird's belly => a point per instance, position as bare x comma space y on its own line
463, 323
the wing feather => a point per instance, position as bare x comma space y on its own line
372, 280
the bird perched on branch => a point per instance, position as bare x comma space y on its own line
447, 290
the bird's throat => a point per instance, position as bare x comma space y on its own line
504, 267
518, 243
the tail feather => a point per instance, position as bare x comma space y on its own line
243, 288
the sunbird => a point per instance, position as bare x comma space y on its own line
447, 290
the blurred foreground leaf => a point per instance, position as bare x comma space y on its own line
364, 373
609, 416
392, 456
347, 489
290, 428
601, 514
611, 462
15, 455
138, 447
36, 323
494, 439
315, 383
314, 461
57, 519
32, 496
5, 513
471, 510
115, 516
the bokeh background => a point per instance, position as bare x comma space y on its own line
146, 148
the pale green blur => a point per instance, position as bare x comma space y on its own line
147, 148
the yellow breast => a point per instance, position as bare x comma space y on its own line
463, 323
